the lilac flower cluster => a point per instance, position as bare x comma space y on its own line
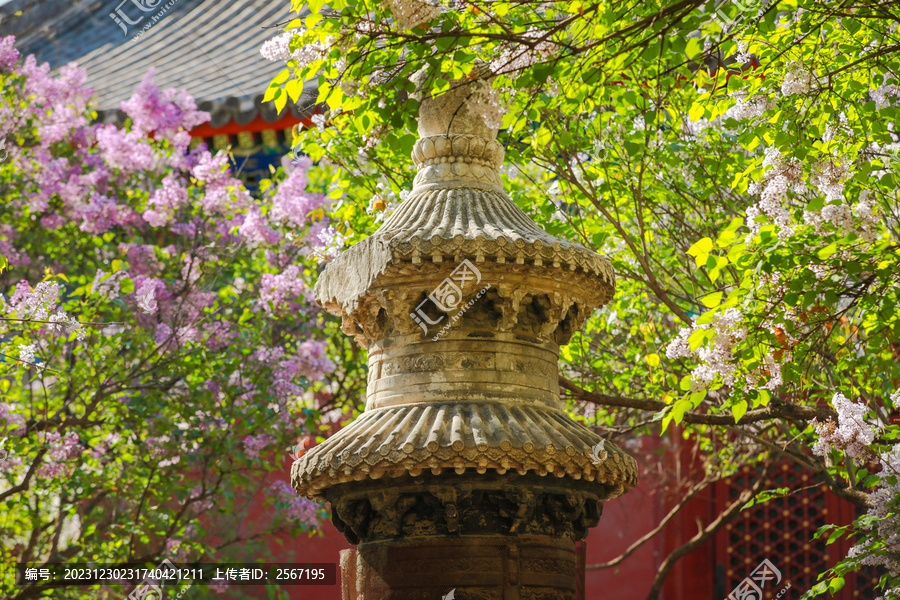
410, 14
299, 510
716, 357
882, 547
512, 58
852, 433
254, 444
59, 449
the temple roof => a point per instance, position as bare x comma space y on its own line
207, 47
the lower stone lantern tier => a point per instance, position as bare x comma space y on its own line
464, 478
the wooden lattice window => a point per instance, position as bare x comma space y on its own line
781, 532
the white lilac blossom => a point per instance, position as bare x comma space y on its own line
512, 58
26, 353
743, 55
34, 305
747, 108
385, 202
883, 505
331, 243
880, 95
63, 323
717, 355
484, 101
279, 49
797, 79
852, 433
829, 178
784, 175
413, 13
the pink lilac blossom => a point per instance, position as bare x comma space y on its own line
292, 203
297, 509
141, 258
11, 423
254, 444
164, 201
101, 213
16, 258
314, 361
59, 449
125, 150
163, 113
9, 56
107, 285
219, 335
331, 242
34, 305
852, 433
255, 229
284, 291
105, 444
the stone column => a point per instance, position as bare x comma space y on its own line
463, 475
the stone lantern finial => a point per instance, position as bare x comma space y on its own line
462, 302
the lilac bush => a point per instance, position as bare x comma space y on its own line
161, 348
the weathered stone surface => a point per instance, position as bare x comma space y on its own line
477, 568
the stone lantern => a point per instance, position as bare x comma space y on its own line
463, 478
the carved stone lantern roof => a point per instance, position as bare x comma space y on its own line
478, 394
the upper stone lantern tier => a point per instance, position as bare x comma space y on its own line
462, 302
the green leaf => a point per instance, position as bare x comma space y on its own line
652, 360
712, 300
701, 247
827, 251
835, 584
739, 409
281, 77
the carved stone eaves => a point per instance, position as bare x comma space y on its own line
464, 506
